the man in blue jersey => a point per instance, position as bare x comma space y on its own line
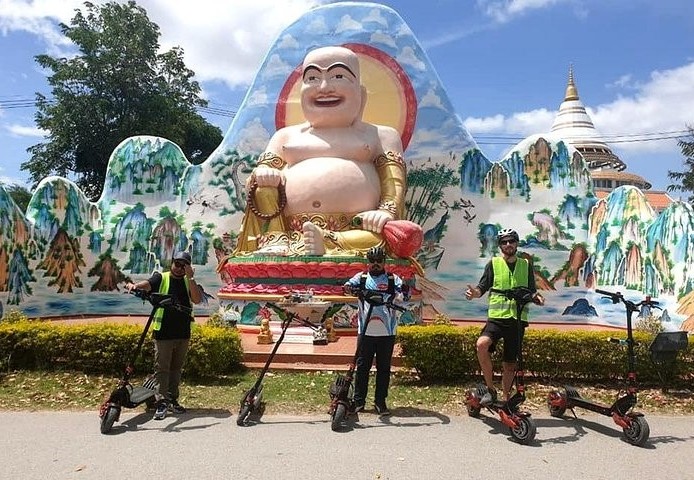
376, 332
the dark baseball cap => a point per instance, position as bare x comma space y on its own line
183, 256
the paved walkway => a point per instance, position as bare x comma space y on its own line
412, 444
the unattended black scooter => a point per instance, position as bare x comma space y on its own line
634, 425
127, 395
520, 424
342, 388
252, 401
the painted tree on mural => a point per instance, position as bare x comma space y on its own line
19, 278
131, 226
4, 268
95, 239
109, 273
201, 241
168, 236
139, 259
229, 178
63, 261
425, 190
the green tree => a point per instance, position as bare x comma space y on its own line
117, 86
684, 179
21, 195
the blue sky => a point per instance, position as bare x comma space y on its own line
504, 64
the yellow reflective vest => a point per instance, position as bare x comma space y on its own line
164, 288
504, 279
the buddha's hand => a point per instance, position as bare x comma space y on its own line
268, 177
374, 220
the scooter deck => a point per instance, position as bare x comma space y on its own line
140, 394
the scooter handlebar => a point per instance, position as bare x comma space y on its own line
377, 298
162, 300
617, 297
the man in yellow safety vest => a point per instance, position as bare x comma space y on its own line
502, 273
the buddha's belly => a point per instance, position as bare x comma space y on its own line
332, 185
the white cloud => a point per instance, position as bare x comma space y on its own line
287, 42
375, 16
662, 104
276, 67
503, 11
258, 97
347, 23
431, 99
380, 37
254, 138
25, 131
317, 26
40, 18
519, 124
223, 41
408, 57
622, 82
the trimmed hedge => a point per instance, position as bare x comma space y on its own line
106, 347
447, 353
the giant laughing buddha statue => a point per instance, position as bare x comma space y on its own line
332, 184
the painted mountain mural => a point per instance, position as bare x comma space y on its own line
66, 255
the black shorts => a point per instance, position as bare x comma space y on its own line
508, 330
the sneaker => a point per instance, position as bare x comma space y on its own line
160, 412
176, 408
488, 398
382, 409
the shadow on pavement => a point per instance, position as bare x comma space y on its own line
581, 424
139, 420
399, 416
561, 422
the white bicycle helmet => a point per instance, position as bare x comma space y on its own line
507, 233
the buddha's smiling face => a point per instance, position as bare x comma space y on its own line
331, 92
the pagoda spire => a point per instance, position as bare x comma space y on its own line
571, 90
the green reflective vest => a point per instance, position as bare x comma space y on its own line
164, 288
499, 305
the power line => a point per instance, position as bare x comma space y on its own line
15, 101
30, 103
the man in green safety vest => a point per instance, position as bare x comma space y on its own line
171, 329
502, 273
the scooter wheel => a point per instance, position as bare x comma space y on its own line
525, 431
472, 404
109, 418
244, 414
638, 431
338, 417
556, 402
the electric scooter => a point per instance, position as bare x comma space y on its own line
252, 401
634, 425
342, 389
520, 423
127, 395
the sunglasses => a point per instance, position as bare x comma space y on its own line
180, 264
507, 242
